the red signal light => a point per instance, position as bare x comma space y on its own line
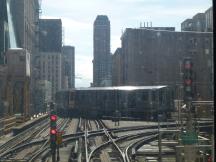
53, 131
53, 117
188, 66
188, 82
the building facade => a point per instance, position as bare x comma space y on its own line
43, 95
50, 37
50, 69
68, 67
4, 36
19, 25
117, 79
24, 31
50, 53
154, 57
16, 94
25, 16
102, 56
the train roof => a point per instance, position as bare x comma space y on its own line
123, 88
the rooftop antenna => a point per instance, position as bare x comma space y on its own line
144, 24
147, 24
151, 24
140, 24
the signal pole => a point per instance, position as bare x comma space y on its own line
189, 138
53, 132
188, 89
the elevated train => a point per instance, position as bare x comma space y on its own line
143, 102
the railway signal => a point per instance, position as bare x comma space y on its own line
53, 130
53, 134
188, 79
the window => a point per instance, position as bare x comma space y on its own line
145, 96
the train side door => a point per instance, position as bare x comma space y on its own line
71, 99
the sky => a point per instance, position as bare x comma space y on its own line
78, 17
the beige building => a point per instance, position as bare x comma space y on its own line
50, 69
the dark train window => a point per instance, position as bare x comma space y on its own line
154, 96
131, 100
145, 96
160, 96
72, 96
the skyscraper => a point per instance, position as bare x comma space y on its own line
50, 47
102, 56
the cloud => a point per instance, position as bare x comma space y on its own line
115, 43
83, 70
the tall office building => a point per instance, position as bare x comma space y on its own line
68, 67
50, 47
102, 56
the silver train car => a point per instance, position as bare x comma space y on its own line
143, 102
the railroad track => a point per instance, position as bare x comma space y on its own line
144, 132
34, 152
118, 151
134, 146
92, 129
45, 147
22, 137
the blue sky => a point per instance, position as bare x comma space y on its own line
78, 17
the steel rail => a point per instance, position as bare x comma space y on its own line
136, 143
85, 140
110, 138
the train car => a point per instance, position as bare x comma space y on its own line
65, 101
143, 102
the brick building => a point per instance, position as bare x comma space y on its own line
154, 57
